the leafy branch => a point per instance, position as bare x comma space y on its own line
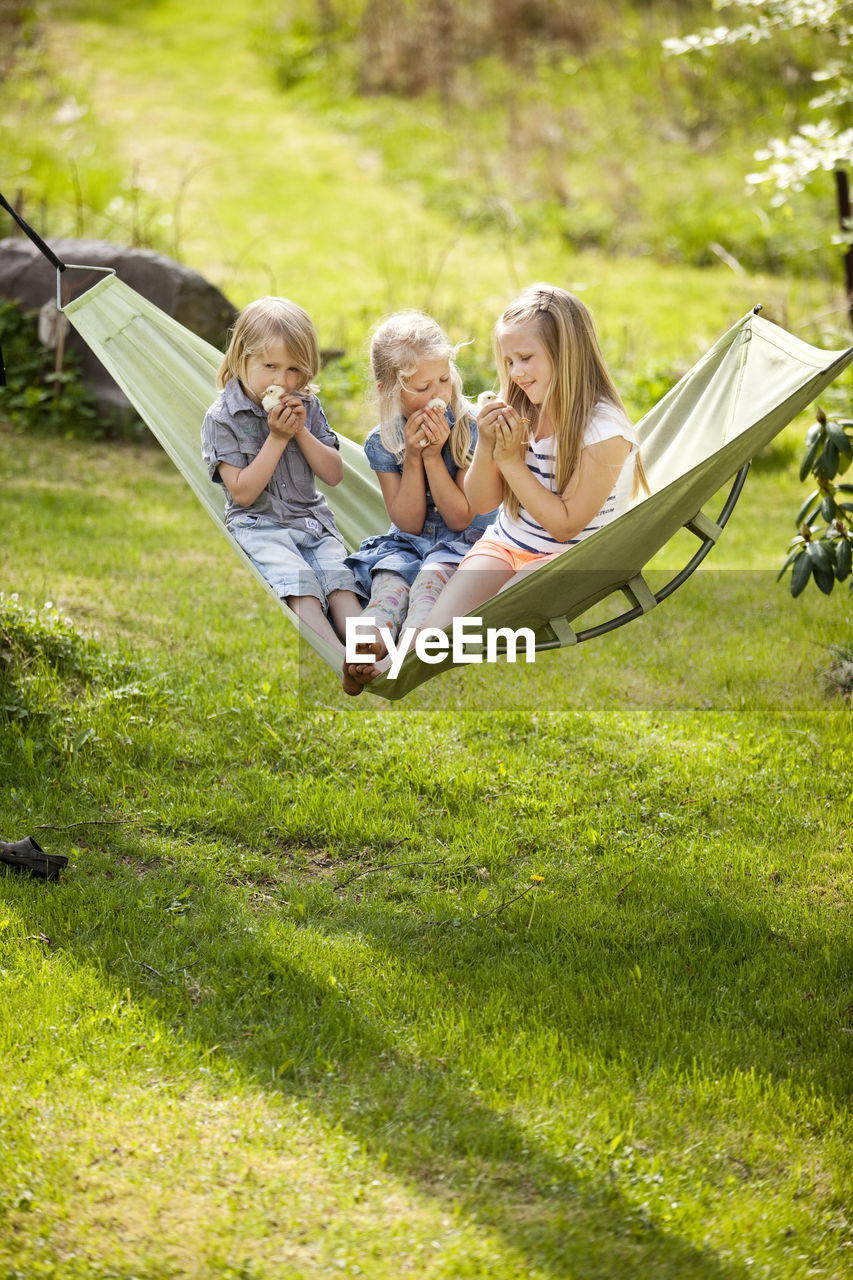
823, 547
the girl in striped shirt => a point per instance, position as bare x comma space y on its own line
555, 450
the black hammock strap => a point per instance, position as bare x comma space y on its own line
33, 235
40, 244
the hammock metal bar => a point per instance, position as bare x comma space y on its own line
710, 532
77, 266
750, 384
710, 538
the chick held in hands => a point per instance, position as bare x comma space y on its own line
271, 397
435, 403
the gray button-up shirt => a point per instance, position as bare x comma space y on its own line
233, 431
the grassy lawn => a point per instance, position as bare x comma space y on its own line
541, 972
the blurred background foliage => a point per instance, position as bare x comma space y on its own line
564, 118
362, 155
567, 118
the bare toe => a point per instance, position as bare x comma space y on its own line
355, 675
364, 672
350, 685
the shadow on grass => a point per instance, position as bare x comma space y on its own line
419, 1118
265, 1002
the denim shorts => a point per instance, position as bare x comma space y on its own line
295, 562
407, 553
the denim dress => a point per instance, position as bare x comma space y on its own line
406, 553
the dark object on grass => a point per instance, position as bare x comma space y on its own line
28, 855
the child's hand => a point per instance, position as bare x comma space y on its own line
287, 418
487, 421
435, 430
511, 436
425, 432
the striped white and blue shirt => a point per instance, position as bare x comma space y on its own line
526, 533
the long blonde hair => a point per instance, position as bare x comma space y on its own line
580, 377
262, 323
398, 345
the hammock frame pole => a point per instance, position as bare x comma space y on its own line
48, 253
645, 598
77, 266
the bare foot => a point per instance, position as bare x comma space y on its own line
356, 675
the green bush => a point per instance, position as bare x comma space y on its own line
823, 547
36, 397
46, 667
38, 641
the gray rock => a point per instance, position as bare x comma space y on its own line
26, 277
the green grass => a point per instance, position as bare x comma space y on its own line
540, 972
615, 146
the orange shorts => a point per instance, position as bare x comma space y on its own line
515, 557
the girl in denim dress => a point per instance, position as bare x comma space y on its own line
421, 451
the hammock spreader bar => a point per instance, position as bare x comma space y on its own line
752, 382
638, 592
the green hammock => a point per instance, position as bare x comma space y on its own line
752, 383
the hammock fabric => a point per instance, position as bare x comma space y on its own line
752, 383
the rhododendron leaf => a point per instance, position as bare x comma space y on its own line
810, 501
809, 457
800, 573
821, 557
824, 579
838, 436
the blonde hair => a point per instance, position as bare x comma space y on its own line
258, 326
398, 346
580, 378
